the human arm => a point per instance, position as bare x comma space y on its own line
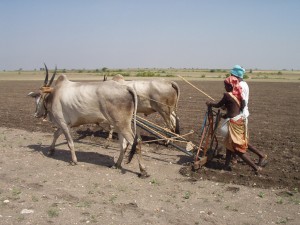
218, 104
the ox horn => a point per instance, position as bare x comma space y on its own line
52, 78
46, 78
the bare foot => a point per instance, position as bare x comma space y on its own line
263, 161
227, 168
258, 170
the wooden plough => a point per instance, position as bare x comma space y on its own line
207, 147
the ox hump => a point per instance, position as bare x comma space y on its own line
118, 78
61, 78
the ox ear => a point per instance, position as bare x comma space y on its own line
33, 94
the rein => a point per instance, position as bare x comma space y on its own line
154, 101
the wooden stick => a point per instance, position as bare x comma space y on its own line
170, 139
196, 87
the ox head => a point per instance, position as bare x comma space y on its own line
43, 95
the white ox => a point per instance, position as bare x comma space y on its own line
71, 104
156, 96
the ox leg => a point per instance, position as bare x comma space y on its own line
56, 135
135, 147
110, 133
123, 146
175, 122
143, 171
168, 120
68, 136
138, 133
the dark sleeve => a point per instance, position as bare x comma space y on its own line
221, 102
243, 104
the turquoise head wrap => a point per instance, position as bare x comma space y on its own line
238, 71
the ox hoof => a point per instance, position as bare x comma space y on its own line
143, 175
50, 152
72, 163
116, 166
129, 158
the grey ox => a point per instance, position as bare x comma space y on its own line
69, 104
156, 96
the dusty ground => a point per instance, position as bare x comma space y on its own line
36, 189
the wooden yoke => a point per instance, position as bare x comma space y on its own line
46, 89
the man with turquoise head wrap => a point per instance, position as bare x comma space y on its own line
239, 72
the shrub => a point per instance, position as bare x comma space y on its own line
147, 74
125, 74
53, 212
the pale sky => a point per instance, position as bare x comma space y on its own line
120, 34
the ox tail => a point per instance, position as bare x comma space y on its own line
135, 142
133, 149
174, 113
135, 102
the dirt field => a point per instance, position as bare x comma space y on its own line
36, 189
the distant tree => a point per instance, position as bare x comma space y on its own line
104, 69
250, 71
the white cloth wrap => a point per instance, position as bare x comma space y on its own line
224, 127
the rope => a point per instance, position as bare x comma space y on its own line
165, 129
171, 138
164, 137
196, 87
154, 100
